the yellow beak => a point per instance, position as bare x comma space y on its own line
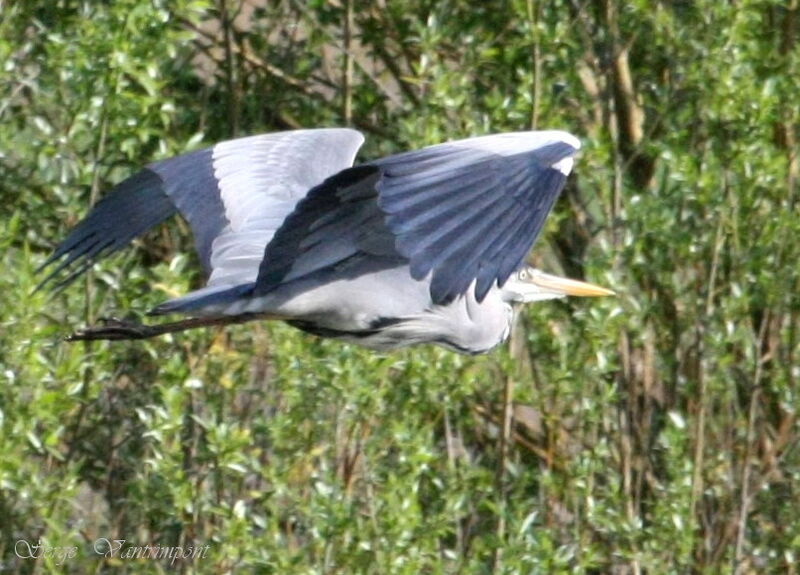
568, 286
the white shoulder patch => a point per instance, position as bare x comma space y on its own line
564, 166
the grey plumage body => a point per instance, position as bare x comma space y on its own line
383, 310
421, 247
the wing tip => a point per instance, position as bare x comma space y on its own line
566, 137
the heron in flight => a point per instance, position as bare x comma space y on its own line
427, 246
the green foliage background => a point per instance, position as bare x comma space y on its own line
652, 432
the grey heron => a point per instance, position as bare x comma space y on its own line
426, 246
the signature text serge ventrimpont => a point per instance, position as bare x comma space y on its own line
111, 549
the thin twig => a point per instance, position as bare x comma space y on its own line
230, 78
347, 72
700, 425
536, 85
390, 60
504, 444
744, 499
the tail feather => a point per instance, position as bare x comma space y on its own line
206, 301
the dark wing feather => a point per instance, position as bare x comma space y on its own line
113, 222
324, 229
147, 198
463, 212
485, 238
191, 185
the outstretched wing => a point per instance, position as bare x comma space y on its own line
234, 196
462, 211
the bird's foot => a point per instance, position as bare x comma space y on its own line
111, 328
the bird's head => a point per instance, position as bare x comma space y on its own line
529, 284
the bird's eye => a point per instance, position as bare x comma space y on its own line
523, 274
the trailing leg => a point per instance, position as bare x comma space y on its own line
117, 329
